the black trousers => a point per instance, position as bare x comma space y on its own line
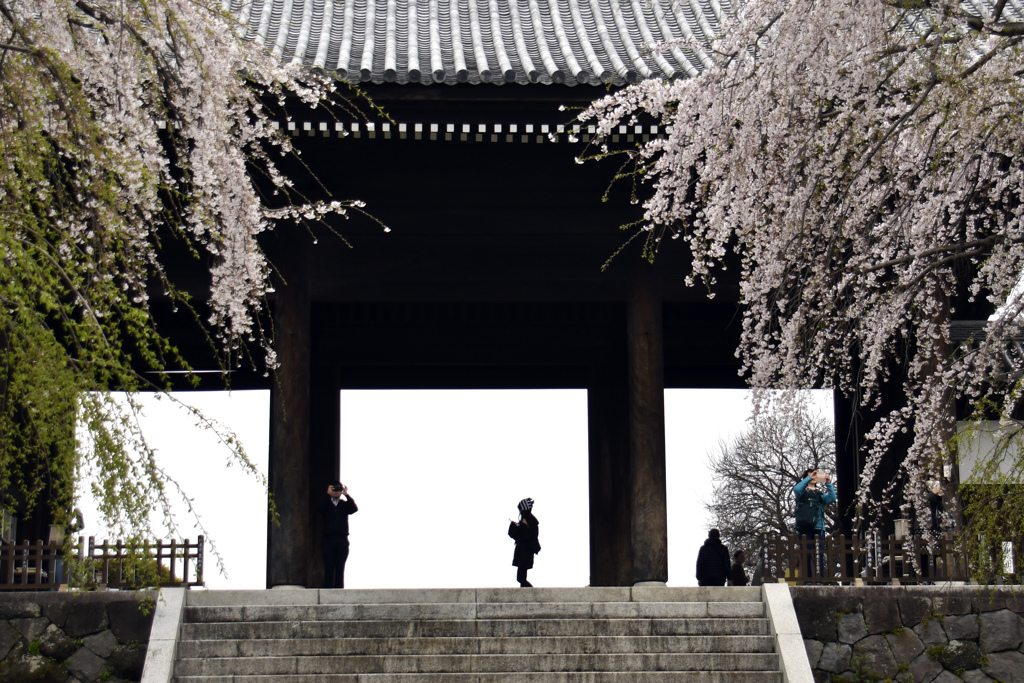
521, 576
335, 554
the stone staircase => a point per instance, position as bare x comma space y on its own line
645, 634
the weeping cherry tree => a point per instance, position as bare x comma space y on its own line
862, 161
124, 127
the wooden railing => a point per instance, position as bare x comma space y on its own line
28, 566
869, 559
43, 566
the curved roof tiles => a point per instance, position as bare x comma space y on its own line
486, 41
499, 41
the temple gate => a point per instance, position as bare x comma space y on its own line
492, 274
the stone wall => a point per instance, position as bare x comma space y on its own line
74, 637
922, 634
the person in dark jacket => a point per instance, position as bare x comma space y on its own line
335, 509
935, 504
713, 561
525, 533
738, 575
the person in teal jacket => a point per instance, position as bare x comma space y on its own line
809, 494
810, 512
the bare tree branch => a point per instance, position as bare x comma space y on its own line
753, 477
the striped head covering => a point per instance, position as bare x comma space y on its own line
526, 504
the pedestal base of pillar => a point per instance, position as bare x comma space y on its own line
649, 583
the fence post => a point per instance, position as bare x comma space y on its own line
199, 559
799, 572
146, 553
174, 546
855, 549
914, 559
78, 560
50, 556
893, 578
91, 563
844, 559
159, 557
40, 553
8, 555
875, 556
783, 551
56, 554
106, 562
184, 562
120, 563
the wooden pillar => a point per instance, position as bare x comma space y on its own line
611, 551
288, 544
646, 396
324, 429
852, 421
849, 429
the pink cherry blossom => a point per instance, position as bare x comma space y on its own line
864, 160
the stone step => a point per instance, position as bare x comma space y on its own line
472, 646
204, 598
456, 611
265, 666
468, 628
522, 677
646, 634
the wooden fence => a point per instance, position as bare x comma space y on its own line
43, 566
869, 559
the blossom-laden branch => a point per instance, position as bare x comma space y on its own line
125, 126
866, 164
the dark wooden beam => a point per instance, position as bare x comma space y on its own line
324, 428
646, 393
849, 429
611, 550
288, 537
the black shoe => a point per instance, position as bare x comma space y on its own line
526, 584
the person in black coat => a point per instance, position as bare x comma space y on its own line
713, 561
525, 533
335, 509
935, 504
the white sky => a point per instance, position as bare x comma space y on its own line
437, 475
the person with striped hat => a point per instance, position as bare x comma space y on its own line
524, 533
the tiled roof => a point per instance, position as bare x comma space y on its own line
486, 41
501, 41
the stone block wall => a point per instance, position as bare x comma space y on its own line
924, 634
74, 637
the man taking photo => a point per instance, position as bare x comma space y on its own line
335, 509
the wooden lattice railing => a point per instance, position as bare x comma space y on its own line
869, 559
43, 566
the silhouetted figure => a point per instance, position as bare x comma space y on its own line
935, 504
335, 509
737, 575
713, 561
525, 533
